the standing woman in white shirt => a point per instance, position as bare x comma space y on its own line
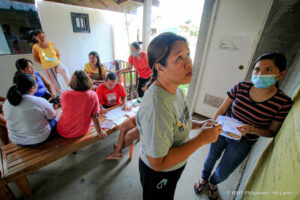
30, 119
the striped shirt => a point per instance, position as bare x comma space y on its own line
257, 114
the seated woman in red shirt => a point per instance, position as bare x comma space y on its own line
80, 106
111, 93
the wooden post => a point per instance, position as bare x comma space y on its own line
136, 85
24, 186
146, 23
131, 90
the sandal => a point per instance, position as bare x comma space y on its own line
114, 157
212, 193
198, 187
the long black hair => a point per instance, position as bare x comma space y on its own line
159, 50
35, 33
94, 53
23, 84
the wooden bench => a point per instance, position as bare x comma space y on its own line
18, 161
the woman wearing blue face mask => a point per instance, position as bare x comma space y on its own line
261, 106
138, 59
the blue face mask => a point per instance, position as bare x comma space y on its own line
134, 54
263, 81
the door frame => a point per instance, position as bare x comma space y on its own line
192, 96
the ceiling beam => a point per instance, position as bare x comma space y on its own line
121, 1
154, 2
25, 1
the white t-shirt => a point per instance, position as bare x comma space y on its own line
27, 123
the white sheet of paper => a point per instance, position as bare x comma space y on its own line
132, 112
120, 120
108, 124
229, 125
115, 113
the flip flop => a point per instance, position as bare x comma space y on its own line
212, 193
200, 185
114, 157
115, 146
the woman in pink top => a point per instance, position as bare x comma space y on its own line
80, 106
138, 59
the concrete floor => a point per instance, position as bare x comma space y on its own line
87, 175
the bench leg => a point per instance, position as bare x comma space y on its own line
4, 135
24, 186
6, 193
131, 151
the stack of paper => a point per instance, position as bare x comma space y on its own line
115, 113
108, 124
229, 127
120, 120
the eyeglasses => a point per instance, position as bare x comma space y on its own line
41, 37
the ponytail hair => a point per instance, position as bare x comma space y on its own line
35, 33
137, 45
23, 84
159, 50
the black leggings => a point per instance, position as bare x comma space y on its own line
54, 101
158, 185
142, 83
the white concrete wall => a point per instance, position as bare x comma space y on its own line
108, 37
8, 69
292, 80
74, 47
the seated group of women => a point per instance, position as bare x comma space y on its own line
30, 117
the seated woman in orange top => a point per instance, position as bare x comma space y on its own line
80, 106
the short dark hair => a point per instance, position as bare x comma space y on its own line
111, 76
136, 45
80, 81
22, 63
279, 59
